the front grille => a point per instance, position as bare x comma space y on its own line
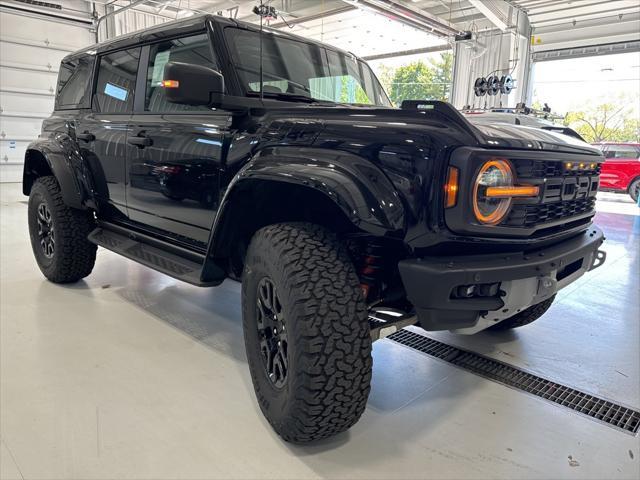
553, 168
567, 192
528, 216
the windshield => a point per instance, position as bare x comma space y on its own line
293, 68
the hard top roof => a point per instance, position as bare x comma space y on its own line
184, 26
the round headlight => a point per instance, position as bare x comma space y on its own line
491, 210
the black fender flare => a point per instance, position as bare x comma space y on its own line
356, 186
63, 160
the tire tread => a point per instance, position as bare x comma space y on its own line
333, 347
525, 317
75, 255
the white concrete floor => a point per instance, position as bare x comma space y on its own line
131, 374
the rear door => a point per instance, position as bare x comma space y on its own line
102, 131
175, 152
620, 167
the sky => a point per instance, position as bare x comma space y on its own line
567, 85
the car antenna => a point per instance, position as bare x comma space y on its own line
263, 11
270, 13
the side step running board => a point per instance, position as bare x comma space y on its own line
171, 260
386, 321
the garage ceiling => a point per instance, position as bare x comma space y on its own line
385, 27
550, 13
382, 27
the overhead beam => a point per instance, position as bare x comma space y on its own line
490, 13
573, 7
595, 15
415, 18
587, 51
131, 5
315, 16
528, 4
40, 13
414, 51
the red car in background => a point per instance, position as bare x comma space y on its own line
621, 169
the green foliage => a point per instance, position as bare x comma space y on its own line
611, 122
443, 69
385, 75
352, 92
420, 80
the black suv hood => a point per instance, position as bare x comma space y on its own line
391, 125
503, 135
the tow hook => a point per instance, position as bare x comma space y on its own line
598, 259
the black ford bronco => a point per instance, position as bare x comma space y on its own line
209, 148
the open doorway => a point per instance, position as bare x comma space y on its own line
598, 96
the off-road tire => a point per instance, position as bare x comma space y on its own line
73, 255
634, 189
525, 317
328, 339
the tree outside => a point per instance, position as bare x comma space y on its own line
610, 122
419, 80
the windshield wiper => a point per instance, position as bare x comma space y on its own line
293, 97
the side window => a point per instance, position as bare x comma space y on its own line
73, 83
116, 81
624, 151
341, 84
195, 50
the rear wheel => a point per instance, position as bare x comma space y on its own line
525, 317
306, 331
634, 189
59, 234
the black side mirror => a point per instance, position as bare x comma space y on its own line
190, 84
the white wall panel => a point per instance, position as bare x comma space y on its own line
30, 52
25, 79
19, 102
496, 53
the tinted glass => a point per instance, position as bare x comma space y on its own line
295, 67
74, 80
116, 81
195, 50
623, 151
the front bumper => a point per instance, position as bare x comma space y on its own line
520, 280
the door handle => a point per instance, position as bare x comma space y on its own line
86, 136
140, 141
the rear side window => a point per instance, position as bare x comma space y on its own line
116, 81
195, 49
74, 82
622, 151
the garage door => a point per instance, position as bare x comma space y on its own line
31, 48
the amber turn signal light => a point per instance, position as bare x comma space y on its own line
451, 188
515, 191
170, 83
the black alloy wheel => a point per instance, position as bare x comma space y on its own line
46, 232
272, 332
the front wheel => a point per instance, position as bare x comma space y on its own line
306, 331
525, 317
634, 189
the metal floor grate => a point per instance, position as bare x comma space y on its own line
610, 413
